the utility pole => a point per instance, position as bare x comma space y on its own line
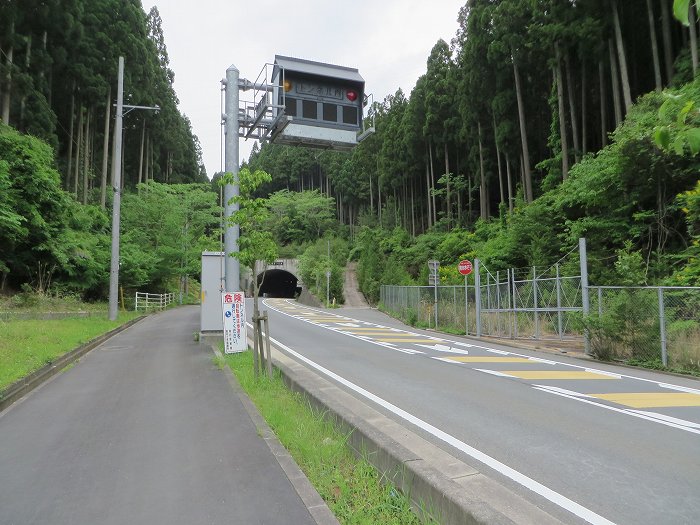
116, 186
232, 271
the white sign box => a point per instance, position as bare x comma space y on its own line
233, 308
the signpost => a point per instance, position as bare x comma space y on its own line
465, 268
233, 308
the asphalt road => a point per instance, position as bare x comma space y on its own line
585, 441
142, 430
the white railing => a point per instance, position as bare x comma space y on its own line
146, 301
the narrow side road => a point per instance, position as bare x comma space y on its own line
143, 430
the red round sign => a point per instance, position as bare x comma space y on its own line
465, 267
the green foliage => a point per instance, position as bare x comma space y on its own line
256, 242
315, 262
300, 216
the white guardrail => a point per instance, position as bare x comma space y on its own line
145, 301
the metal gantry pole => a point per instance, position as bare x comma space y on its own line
116, 204
232, 269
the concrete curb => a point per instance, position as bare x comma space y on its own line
25, 385
318, 509
440, 486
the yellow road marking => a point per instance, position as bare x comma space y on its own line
652, 399
488, 359
555, 374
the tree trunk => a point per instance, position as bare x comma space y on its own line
105, 149
562, 115
692, 28
432, 183
624, 75
86, 156
572, 109
603, 105
523, 135
79, 145
666, 32
584, 109
510, 185
70, 141
427, 188
143, 140
498, 159
7, 90
482, 180
617, 104
449, 176
654, 47
413, 212
27, 63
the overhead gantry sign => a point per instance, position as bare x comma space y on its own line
305, 103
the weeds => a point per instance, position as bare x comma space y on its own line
352, 488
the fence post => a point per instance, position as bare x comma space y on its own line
510, 304
515, 306
498, 303
585, 300
534, 302
477, 293
559, 323
436, 302
662, 327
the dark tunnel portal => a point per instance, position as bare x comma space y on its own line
277, 283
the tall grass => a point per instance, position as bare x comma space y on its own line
352, 488
26, 346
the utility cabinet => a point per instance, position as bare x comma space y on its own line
213, 283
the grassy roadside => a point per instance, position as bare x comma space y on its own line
352, 488
27, 345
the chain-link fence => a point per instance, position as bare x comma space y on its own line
646, 324
630, 323
513, 304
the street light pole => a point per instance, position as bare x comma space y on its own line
116, 204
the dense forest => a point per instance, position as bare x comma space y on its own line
58, 81
540, 122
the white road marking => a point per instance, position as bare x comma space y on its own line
679, 388
669, 419
501, 352
527, 482
443, 348
494, 373
636, 413
556, 389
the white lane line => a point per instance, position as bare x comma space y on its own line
588, 369
556, 389
636, 413
679, 388
494, 373
527, 482
443, 348
669, 419
543, 361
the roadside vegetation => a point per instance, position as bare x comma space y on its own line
351, 487
28, 345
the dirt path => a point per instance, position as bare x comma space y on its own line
351, 291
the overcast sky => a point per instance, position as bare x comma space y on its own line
388, 41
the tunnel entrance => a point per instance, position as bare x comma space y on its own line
278, 283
